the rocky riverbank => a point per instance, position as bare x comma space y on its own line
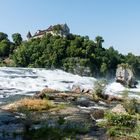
53, 114
74, 111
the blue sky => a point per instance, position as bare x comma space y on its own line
117, 21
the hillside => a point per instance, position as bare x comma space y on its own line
73, 53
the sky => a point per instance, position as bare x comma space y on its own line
117, 21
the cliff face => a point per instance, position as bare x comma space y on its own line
125, 76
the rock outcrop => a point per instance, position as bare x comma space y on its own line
119, 109
42, 94
125, 76
79, 89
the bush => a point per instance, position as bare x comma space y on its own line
99, 89
131, 106
120, 120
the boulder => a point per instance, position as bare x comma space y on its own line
119, 109
97, 114
114, 98
83, 101
125, 76
42, 94
76, 89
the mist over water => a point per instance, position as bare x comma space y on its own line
16, 82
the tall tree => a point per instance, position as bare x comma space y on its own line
99, 40
3, 36
17, 38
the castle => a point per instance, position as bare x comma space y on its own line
59, 29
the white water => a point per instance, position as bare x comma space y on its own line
119, 90
27, 81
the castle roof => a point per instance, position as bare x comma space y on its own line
42, 32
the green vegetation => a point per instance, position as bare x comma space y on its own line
99, 89
131, 105
17, 39
125, 65
73, 53
121, 125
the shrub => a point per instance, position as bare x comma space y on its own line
99, 89
131, 106
120, 120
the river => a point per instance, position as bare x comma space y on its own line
18, 82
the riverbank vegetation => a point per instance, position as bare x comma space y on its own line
71, 116
73, 53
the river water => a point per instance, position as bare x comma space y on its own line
18, 82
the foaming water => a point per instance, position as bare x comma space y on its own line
15, 82
27, 81
119, 90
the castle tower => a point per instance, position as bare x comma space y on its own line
29, 36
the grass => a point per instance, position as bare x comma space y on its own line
31, 105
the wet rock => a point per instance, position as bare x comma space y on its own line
125, 76
6, 117
119, 109
9, 124
87, 91
97, 114
42, 94
114, 98
84, 101
76, 89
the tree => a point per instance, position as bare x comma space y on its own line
99, 40
17, 38
3, 36
103, 69
4, 48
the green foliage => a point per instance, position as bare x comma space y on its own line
99, 88
17, 38
131, 106
125, 65
73, 53
120, 125
136, 132
103, 68
120, 120
3, 36
4, 48
99, 41
61, 120
112, 131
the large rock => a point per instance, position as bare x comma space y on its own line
78, 89
119, 109
42, 94
83, 101
125, 76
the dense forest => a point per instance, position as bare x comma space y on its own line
73, 53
